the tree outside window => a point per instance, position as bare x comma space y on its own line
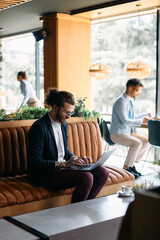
119, 46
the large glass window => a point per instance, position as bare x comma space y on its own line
19, 55
41, 72
117, 43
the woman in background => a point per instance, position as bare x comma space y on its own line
30, 98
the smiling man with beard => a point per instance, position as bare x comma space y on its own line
50, 157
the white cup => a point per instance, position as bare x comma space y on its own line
126, 189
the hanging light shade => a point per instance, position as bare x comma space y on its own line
138, 69
99, 71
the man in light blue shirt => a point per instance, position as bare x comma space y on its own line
123, 119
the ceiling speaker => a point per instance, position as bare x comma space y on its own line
40, 34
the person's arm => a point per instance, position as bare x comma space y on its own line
145, 117
74, 161
71, 159
122, 114
140, 116
37, 144
26, 93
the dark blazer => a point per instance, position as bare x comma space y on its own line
43, 150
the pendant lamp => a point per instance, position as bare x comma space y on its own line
138, 69
99, 70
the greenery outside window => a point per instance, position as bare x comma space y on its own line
119, 46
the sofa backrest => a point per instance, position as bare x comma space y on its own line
83, 139
13, 151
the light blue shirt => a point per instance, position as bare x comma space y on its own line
28, 92
121, 123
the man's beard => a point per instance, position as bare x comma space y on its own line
59, 118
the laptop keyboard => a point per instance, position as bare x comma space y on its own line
86, 165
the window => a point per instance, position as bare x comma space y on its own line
19, 55
118, 41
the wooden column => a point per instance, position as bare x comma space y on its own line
67, 54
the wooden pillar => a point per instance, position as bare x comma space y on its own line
67, 54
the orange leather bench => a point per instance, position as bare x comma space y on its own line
18, 196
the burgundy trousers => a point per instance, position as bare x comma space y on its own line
87, 183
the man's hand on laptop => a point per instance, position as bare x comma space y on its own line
86, 160
80, 161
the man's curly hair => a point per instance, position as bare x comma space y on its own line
58, 98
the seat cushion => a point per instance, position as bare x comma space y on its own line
118, 175
17, 189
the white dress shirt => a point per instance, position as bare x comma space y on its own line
59, 139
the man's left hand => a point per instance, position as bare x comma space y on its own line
149, 116
87, 160
79, 161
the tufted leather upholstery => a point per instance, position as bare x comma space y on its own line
13, 151
83, 139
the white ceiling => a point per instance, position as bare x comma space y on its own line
25, 17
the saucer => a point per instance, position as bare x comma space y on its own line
122, 194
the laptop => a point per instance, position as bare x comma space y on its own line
92, 166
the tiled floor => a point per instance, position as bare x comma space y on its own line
149, 170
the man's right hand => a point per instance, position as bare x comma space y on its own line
145, 120
76, 161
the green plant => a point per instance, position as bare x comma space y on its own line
28, 113
142, 185
37, 112
2, 113
81, 111
157, 162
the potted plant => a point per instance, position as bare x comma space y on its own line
28, 113
81, 111
26, 117
142, 186
2, 114
32, 113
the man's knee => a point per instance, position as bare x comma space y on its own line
101, 173
87, 178
104, 172
137, 144
146, 144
